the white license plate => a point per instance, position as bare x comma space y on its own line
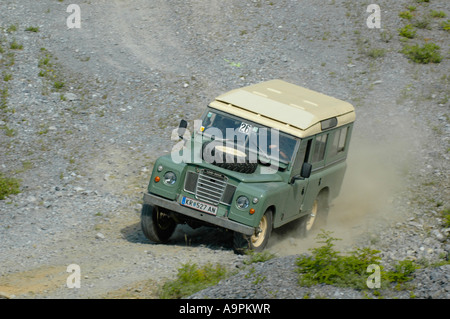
195, 204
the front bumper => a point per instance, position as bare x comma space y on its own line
174, 206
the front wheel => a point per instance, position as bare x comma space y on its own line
258, 241
156, 225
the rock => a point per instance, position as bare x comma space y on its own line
71, 96
437, 234
99, 236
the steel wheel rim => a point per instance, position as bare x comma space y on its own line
162, 220
258, 239
312, 216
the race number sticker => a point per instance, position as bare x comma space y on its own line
245, 128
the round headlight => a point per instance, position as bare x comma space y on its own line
242, 202
170, 178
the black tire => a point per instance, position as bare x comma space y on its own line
258, 241
317, 218
156, 225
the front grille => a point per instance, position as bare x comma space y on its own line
209, 186
191, 182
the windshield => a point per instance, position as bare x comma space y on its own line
252, 138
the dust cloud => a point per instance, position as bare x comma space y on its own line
376, 173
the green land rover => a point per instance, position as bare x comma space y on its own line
262, 156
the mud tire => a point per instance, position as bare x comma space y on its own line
156, 225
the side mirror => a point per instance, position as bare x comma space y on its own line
306, 170
304, 173
182, 128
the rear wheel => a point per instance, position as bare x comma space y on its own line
258, 241
317, 218
156, 225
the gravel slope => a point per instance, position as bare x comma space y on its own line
84, 151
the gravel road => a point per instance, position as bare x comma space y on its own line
86, 111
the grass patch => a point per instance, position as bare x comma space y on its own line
446, 215
192, 278
8, 186
375, 53
58, 85
428, 53
32, 29
328, 266
407, 31
14, 45
406, 15
445, 25
7, 77
11, 28
437, 14
259, 257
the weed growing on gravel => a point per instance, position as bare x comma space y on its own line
7, 77
406, 15
190, 279
15, 45
4, 98
32, 29
446, 215
8, 186
437, 14
428, 53
259, 257
407, 31
445, 25
327, 266
375, 53
11, 28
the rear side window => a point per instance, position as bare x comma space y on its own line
319, 148
339, 142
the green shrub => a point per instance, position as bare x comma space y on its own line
438, 14
190, 279
32, 29
259, 257
407, 31
428, 53
8, 186
15, 45
446, 25
406, 15
58, 85
328, 266
446, 215
402, 272
376, 53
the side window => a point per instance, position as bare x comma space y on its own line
319, 148
338, 146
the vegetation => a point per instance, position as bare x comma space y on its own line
406, 15
446, 216
32, 29
259, 257
192, 278
446, 25
407, 31
428, 53
327, 266
8, 186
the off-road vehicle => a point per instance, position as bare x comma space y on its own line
262, 156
